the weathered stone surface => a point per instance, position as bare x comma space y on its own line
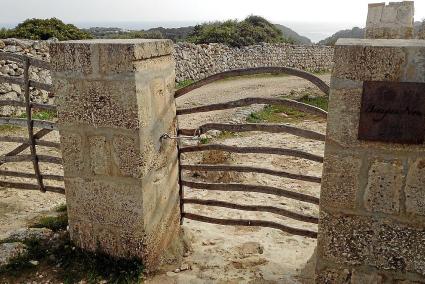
10, 252
390, 21
72, 152
106, 203
331, 276
99, 155
382, 243
359, 277
384, 186
362, 61
97, 102
340, 181
415, 188
127, 156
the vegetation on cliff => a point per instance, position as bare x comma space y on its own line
43, 29
252, 30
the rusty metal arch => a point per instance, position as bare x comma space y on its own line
254, 71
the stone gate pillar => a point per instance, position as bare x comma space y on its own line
392, 21
115, 100
372, 204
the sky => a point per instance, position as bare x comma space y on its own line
336, 13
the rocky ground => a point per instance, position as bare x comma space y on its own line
224, 254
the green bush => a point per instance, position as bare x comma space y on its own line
43, 29
250, 31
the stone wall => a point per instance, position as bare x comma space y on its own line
193, 62
199, 61
37, 49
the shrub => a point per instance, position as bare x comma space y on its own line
252, 30
43, 29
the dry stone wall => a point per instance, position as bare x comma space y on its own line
37, 49
195, 62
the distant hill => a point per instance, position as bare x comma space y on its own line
355, 33
294, 36
175, 34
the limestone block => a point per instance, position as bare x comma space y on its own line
128, 158
99, 155
360, 277
72, 152
110, 203
415, 188
390, 21
98, 103
345, 239
363, 62
381, 243
384, 186
340, 181
331, 276
379, 60
80, 62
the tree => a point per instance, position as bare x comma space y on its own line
43, 29
252, 30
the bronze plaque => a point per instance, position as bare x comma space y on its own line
393, 112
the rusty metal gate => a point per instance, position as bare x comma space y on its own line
271, 128
36, 129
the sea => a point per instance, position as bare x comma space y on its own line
315, 31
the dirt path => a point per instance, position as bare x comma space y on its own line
18, 206
231, 254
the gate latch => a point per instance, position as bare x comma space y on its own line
167, 136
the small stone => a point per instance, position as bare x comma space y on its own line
185, 267
177, 270
11, 251
35, 263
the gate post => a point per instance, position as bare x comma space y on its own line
115, 100
372, 213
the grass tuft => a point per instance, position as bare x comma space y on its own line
184, 83
283, 114
54, 223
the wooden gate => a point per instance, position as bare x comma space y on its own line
271, 128
36, 130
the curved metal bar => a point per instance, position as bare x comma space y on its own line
237, 187
252, 223
250, 101
253, 71
28, 175
253, 150
271, 128
256, 208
